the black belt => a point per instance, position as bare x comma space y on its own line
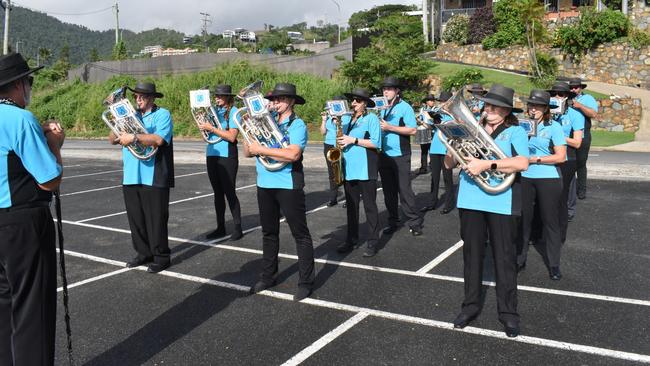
26, 206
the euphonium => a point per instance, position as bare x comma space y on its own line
336, 109
203, 112
121, 118
465, 138
256, 124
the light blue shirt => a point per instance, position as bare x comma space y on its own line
223, 147
472, 197
540, 145
330, 127
291, 175
394, 144
437, 147
362, 163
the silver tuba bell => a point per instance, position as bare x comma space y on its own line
465, 138
203, 112
256, 124
121, 118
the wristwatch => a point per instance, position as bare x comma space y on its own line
356, 141
493, 166
539, 160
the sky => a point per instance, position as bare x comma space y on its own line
184, 15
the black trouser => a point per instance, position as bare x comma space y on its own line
568, 170
474, 228
424, 154
545, 193
292, 204
355, 191
582, 154
438, 164
223, 178
148, 211
334, 189
395, 172
27, 287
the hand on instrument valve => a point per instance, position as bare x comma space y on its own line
255, 149
126, 139
477, 166
53, 132
345, 140
206, 127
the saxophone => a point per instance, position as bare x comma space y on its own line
336, 109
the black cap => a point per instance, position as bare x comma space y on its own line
13, 67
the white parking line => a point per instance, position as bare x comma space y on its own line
93, 279
543, 342
89, 174
171, 203
119, 185
582, 295
431, 265
325, 340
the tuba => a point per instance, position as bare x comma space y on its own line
121, 118
336, 109
465, 138
203, 112
256, 124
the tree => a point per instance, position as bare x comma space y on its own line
531, 13
274, 40
94, 56
368, 18
44, 54
119, 51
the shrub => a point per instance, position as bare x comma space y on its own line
461, 78
457, 29
481, 25
510, 29
639, 38
548, 67
593, 29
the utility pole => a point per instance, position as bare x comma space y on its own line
7, 7
204, 29
425, 29
339, 20
117, 23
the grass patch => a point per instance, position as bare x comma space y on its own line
608, 138
520, 83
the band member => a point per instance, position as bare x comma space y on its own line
573, 124
282, 190
484, 215
360, 140
423, 131
222, 162
146, 183
588, 106
541, 184
437, 153
31, 169
397, 125
475, 104
328, 129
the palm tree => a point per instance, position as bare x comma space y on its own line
532, 15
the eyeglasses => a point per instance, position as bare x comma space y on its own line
141, 96
558, 94
358, 100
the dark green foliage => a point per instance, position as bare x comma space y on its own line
395, 50
639, 38
94, 56
462, 78
481, 25
457, 30
275, 40
368, 18
119, 51
510, 29
548, 67
593, 29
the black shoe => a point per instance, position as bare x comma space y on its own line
582, 195
237, 233
389, 230
332, 203
370, 251
422, 171
521, 267
138, 261
158, 267
416, 230
260, 286
462, 320
345, 247
219, 232
570, 218
555, 274
511, 329
428, 208
446, 210
302, 293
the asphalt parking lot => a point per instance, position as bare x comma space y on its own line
393, 309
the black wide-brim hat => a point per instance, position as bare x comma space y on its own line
14, 67
576, 82
285, 90
361, 93
142, 87
392, 82
428, 97
500, 96
540, 97
444, 96
476, 88
562, 87
223, 89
